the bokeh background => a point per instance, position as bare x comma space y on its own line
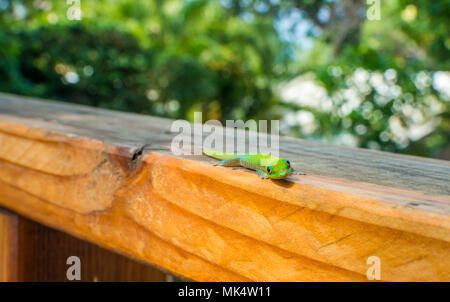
320, 67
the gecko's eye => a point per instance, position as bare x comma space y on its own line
268, 169
288, 162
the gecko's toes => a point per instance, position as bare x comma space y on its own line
262, 175
298, 173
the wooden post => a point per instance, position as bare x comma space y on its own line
8, 246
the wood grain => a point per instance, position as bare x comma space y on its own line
9, 237
32, 252
110, 178
42, 254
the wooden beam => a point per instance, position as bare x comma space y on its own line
110, 178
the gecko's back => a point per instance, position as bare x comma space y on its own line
251, 161
221, 155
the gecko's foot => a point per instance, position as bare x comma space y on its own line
297, 172
262, 174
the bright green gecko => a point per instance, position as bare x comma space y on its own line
267, 166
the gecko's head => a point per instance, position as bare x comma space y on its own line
279, 170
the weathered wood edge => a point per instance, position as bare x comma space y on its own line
320, 223
417, 174
146, 176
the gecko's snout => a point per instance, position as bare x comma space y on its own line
279, 175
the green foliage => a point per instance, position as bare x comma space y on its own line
181, 58
395, 60
231, 60
103, 68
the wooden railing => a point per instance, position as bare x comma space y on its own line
109, 178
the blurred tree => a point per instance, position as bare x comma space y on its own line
376, 84
383, 81
103, 68
168, 58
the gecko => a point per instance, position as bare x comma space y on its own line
266, 166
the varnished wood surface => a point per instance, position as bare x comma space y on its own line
109, 177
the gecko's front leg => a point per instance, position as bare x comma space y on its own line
262, 174
235, 162
297, 172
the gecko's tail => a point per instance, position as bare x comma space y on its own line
218, 155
